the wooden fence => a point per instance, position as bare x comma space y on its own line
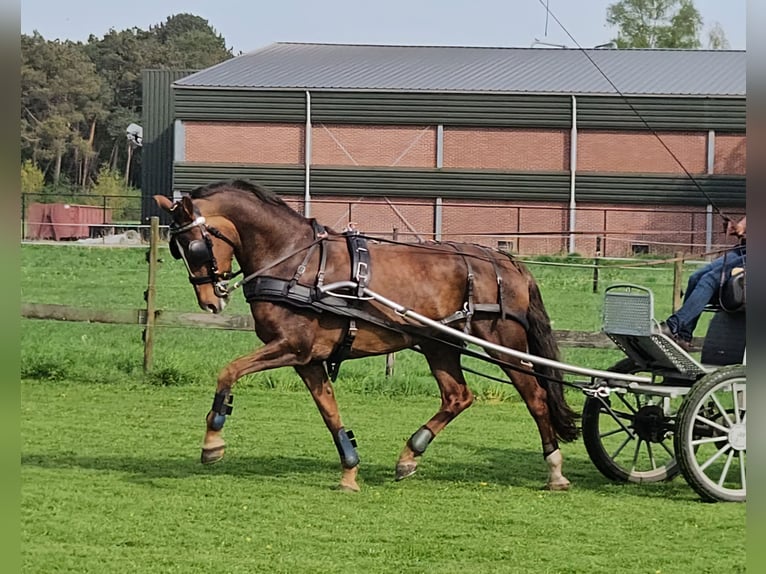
151, 317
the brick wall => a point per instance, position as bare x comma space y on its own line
612, 151
257, 143
348, 145
467, 148
506, 148
730, 154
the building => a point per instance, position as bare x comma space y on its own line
532, 149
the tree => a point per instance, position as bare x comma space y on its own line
191, 42
32, 179
655, 23
62, 97
78, 99
716, 38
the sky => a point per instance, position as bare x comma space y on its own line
247, 25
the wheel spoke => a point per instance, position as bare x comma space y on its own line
742, 469
722, 410
613, 432
715, 457
713, 424
651, 455
627, 404
636, 453
718, 438
725, 470
739, 406
616, 453
668, 449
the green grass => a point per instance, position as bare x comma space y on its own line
111, 480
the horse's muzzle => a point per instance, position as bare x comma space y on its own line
214, 308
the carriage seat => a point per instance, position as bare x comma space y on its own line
725, 339
730, 297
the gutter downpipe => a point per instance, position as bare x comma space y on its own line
709, 207
573, 174
307, 159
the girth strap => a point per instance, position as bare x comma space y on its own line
468, 307
342, 350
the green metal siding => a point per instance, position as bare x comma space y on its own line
468, 184
281, 180
690, 114
239, 105
501, 110
157, 150
442, 108
458, 184
661, 190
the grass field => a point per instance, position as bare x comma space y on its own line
111, 480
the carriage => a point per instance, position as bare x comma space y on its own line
319, 297
689, 417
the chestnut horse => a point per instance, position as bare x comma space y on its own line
288, 259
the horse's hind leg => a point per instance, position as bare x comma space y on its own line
316, 380
535, 397
455, 398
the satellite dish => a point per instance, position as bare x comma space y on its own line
135, 134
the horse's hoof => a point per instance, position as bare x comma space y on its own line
211, 455
348, 487
405, 469
559, 485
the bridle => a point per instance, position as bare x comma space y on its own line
199, 253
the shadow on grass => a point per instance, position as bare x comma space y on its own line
504, 467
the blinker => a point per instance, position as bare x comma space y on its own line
197, 252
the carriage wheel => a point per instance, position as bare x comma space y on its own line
711, 439
632, 442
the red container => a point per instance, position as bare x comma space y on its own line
63, 220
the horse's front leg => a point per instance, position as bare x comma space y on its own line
315, 377
278, 353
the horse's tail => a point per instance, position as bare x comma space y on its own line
543, 344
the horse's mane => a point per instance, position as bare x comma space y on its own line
261, 192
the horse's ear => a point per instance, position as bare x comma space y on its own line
187, 207
163, 202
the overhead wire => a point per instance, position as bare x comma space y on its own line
550, 13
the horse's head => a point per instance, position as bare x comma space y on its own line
207, 252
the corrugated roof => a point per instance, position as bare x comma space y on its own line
284, 66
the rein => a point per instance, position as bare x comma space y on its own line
320, 234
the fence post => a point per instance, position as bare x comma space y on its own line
23, 215
595, 264
151, 293
678, 274
390, 357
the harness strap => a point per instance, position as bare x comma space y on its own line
499, 279
342, 350
274, 290
468, 307
487, 308
360, 259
